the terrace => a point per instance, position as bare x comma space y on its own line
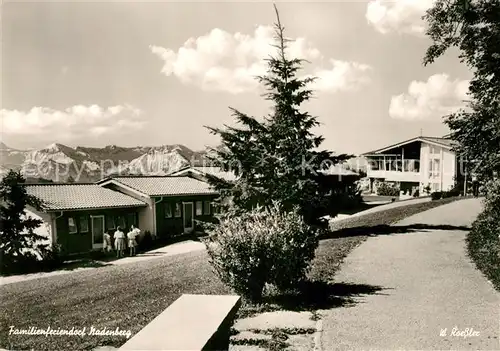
396, 164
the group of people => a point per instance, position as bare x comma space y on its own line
122, 241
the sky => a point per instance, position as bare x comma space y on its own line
156, 73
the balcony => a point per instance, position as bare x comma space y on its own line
394, 168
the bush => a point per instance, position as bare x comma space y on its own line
416, 193
386, 189
436, 195
36, 260
483, 241
427, 189
146, 241
259, 247
51, 257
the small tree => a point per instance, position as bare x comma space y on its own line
17, 232
262, 246
277, 159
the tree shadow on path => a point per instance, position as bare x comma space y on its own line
315, 295
385, 229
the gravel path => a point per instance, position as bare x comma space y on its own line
433, 293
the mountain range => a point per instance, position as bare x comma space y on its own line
61, 163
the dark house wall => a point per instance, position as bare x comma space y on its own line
82, 240
167, 226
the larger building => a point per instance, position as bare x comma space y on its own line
415, 164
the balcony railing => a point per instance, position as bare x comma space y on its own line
394, 164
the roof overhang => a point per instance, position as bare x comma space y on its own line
140, 193
124, 186
406, 142
185, 170
49, 210
188, 194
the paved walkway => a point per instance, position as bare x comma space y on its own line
431, 288
168, 250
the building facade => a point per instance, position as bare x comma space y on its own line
418, 164
76, 216
173, 203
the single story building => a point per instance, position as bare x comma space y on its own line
76, 216
173, 202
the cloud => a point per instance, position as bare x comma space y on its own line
437, 97
221, 61
342, 76
75, 122
400, 16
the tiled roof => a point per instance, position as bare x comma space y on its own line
216, 172
58, 197
206, 170
166, 185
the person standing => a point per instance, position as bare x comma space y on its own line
120, 243
475, 185
132, 242
107, 247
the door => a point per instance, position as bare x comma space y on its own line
188, 217
97, 231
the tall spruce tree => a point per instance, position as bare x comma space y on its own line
473, 27
17, 232
276, 159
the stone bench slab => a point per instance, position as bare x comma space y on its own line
192, 322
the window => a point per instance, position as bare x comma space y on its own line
84, 224
132, 220
199, 208
110, 221
392, 163
72, 226
168, 210
381, 165
120, 222
206, 207
177, 212
434, 168
434, 150
374, 164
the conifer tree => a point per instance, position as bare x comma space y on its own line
277, 158
17, 232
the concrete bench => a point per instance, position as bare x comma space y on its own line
192, 322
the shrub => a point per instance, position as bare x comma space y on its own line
436, 195
51, 257
416, 193
483, 241
387, 189
146, 242
427, 189
262, 246
39, 259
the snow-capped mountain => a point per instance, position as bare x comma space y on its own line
159, 161
62, 163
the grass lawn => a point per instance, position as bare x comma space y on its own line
130, 296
